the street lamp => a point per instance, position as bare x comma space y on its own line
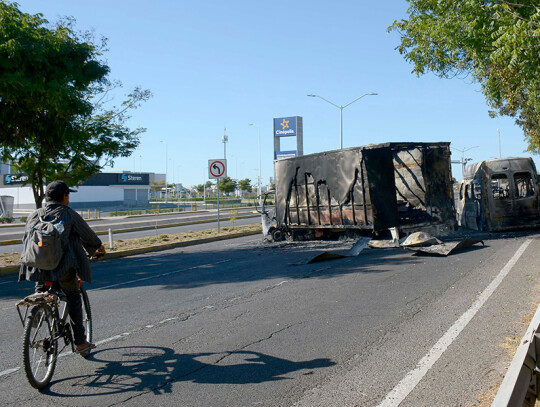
341, 112
166, 168
463, 159
259, 181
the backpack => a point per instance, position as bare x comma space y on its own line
43, 247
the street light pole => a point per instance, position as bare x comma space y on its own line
259, 187
463, 159
341, 112
225, 138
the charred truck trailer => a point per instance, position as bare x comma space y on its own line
375, 188
500, 194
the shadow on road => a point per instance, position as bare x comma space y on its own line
156, 369
229, 262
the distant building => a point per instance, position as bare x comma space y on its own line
105, 189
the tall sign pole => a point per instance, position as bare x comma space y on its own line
217, 169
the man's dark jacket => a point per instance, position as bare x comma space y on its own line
77, 237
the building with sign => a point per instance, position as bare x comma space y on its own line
288, 127
106, 189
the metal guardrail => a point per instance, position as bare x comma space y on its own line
521, 383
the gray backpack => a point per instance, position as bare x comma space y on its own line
43, 247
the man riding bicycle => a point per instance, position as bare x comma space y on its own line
76, 237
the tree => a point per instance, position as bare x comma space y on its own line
200, 188
497, 43
245, 185
56, 121
227, 185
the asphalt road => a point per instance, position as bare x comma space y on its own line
246, 323
130, 228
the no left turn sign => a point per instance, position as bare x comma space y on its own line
217, 168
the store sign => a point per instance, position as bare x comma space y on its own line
15, 179
133, 179
280, 155
285, 127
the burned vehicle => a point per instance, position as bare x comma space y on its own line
392, 186
500, 194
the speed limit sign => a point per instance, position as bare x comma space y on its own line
217, 168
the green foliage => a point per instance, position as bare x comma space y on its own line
227, 185
245, 185
224, 201
200, 188
55, 118
6, 219
497, 43
234, 215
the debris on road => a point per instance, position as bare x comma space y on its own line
354, 251
444, 249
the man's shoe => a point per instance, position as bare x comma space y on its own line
84, 347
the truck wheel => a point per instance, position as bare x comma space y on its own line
278, 235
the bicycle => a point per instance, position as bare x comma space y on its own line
45, 322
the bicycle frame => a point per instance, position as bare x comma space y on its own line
60, 313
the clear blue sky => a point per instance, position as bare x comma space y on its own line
224, 64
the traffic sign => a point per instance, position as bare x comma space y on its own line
217, 168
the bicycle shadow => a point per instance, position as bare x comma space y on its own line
156, 369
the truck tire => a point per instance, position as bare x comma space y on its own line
278, 235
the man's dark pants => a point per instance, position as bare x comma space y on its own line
69, 284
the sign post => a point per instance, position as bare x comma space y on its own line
217, 169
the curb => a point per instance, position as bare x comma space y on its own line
141, 250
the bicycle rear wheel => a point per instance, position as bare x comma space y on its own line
87, 319
40, 346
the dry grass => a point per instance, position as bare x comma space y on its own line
12, 259
510, 345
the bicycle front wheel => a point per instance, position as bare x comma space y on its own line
87, 318
40, 346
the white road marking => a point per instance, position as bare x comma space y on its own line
112, 338
409, 382
6, 372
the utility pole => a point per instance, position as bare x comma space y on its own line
498, 131
225, 138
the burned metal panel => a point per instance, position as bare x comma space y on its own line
362, 187
424, 184
410, 185
332, 189
505, 192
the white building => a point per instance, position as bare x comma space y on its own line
108, 189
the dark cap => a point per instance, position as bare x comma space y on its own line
57, 189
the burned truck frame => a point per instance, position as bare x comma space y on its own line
372, 188
500, 194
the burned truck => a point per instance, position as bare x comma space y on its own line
498, 195
392, 186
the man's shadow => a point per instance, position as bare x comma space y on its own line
147, 368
